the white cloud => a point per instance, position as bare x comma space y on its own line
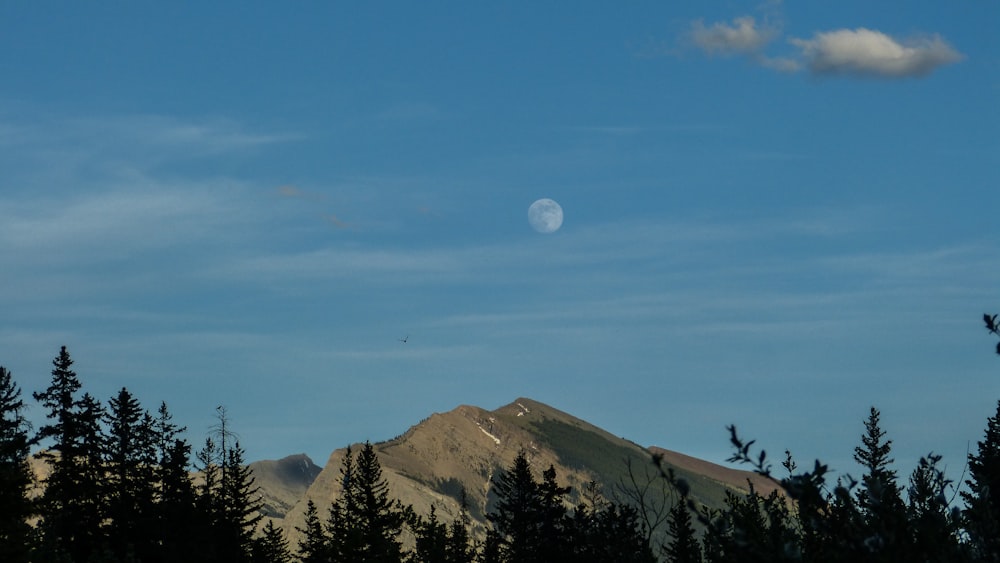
744, 36
857, 52
866, 52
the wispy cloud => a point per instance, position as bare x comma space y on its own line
742, 37
859, 52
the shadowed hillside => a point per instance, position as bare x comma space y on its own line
283, 482
433, 461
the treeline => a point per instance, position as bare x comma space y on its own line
530, 524
872, 519
118, 488
118, 485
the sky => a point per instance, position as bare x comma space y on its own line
776, 215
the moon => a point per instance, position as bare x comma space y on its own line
545, 216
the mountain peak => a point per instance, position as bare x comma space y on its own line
463, 450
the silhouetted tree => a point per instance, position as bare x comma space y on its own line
652, 496
683, 546
492, 550
883, 512
72, 505
459, 547
314, 544
130, 461
271, 546
345, 541
553, 524
934, 527
365, 523
518, 512
15, 474
240, 504
208, 502
177, 521
752, 528
981, 518
607, 533
431, 539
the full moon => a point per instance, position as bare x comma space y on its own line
545, 216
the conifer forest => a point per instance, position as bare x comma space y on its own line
122, 484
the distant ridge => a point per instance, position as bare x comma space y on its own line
433, 461
283, 482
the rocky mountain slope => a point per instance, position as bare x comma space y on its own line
445, 454
464, 449
283, 482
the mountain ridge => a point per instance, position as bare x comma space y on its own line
446, 453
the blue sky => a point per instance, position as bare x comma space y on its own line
776, 215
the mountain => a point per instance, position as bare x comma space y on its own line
283, 482
464, 449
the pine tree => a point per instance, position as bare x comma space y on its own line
981, 517
365, 523
130, 459
492, 550
518, 515
176, 521
458, 546
343, 529
71, 506
554, 536
933, 526
381, 517
15, 474
431, 539
619, 535
879, 498
752, 529
240, 504
683, 546
314, 545
271, 546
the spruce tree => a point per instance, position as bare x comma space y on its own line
208, 503
518, 515
71, 506
130, 460
15, 474
381, 517
314, 544
934, 527
343, 528
365, 522
553, 533
176, 521
240, 504
981, 517
618, 535
459, 547
883, 512
431, 539
683, 546
271, 546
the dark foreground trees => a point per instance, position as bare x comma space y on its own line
870, 520
813, 520
531, 523
119, 484
119, 488
15, 474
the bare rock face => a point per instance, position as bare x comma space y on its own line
463, 450
283, 482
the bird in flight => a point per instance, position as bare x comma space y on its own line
404, 339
